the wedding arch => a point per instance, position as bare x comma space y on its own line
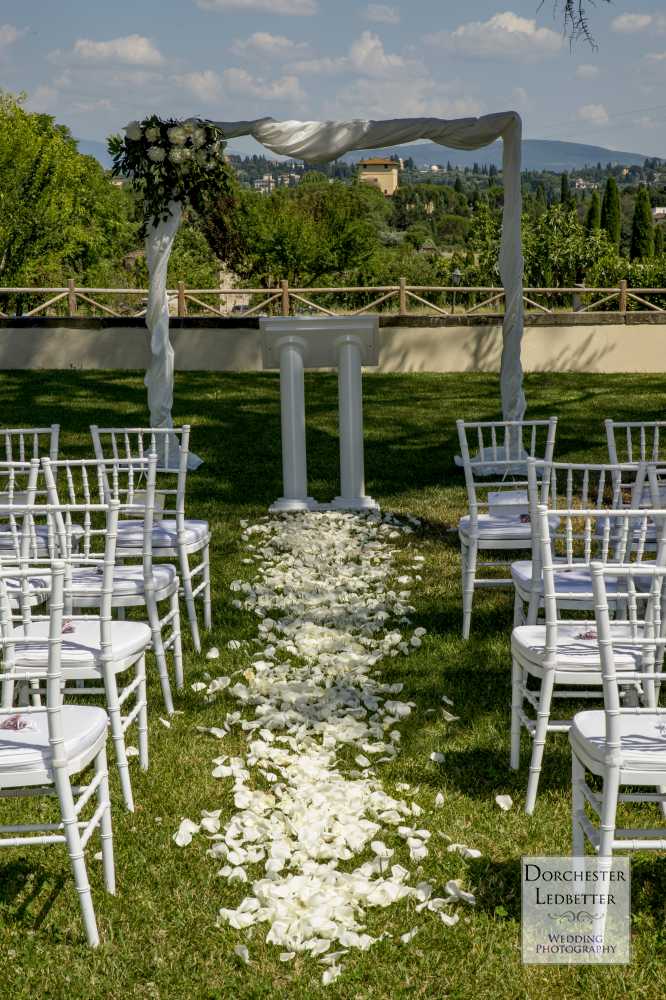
175, 163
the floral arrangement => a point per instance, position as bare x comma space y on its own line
169, 160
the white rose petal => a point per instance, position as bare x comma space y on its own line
243, 953
505, 802
183, 835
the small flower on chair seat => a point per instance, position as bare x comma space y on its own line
590, 634
525, 518
67, 626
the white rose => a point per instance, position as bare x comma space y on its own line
176, 155
201, 157
156, 154
134, 131
153, 134
199, 137
177, 136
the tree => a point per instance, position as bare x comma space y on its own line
611, 215
658, 241
575, 17
60, 216
642, 228
593, 217
567, 198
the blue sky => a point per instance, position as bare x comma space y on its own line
96, 66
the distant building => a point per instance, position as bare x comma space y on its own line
659, 213
580, 184
381, 173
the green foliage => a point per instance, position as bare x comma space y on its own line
59, 215
593, 217
658, 240
567, 198
170, 161
642, 228
611, 215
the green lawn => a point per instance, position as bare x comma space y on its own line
159, 934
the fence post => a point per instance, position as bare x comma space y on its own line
182, 301
284, 284
623, 296
402, 300
71, 297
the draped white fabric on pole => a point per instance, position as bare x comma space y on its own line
318, 142
159, 377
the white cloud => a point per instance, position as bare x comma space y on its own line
381, 13
367, 56
594, 114
505, 35
264, 44
133, 50
413, 92
9, 34
586, 71
239, 81
294, 8
204, 84
628, 24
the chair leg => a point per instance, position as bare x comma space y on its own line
186, 580
142, 720
577, 807
118, 738
208, 618
158, 650
608, 811
540, 733
516, 706
518, 610
105, 829
177, 642
75, 852
469, 573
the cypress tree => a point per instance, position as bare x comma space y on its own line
611, 218
658, 241
567, 199
642, 228
593, 217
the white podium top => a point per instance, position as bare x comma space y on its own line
320, 337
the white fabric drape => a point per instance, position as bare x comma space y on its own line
159, 377
319, 142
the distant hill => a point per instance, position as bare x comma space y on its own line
538, 154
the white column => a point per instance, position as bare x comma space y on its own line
292, 404
350, 407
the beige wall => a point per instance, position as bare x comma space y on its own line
429, 346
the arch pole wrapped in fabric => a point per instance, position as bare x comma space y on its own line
319, 142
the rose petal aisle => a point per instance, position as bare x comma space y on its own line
318, 723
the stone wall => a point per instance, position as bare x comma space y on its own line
599, 342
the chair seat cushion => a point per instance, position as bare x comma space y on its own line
82, 648
528, 642
27, 750
39, 544
127, 580
491, 526
165, 534
496, 461
577, 580
643, 739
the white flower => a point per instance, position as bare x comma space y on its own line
156, 154
177, 135
134, 131
201, 157
153, 133
199, 137
176, 154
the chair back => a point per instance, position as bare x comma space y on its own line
20, 444
636, 440
495, 474
645, 604
170, 444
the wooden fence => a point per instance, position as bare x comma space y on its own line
401, 300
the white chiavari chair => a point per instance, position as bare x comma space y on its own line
560, 658
42, 749
99, 656
495, 477
563, 486
623, 746
143, 583
175, 536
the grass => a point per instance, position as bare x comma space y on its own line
159, 934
